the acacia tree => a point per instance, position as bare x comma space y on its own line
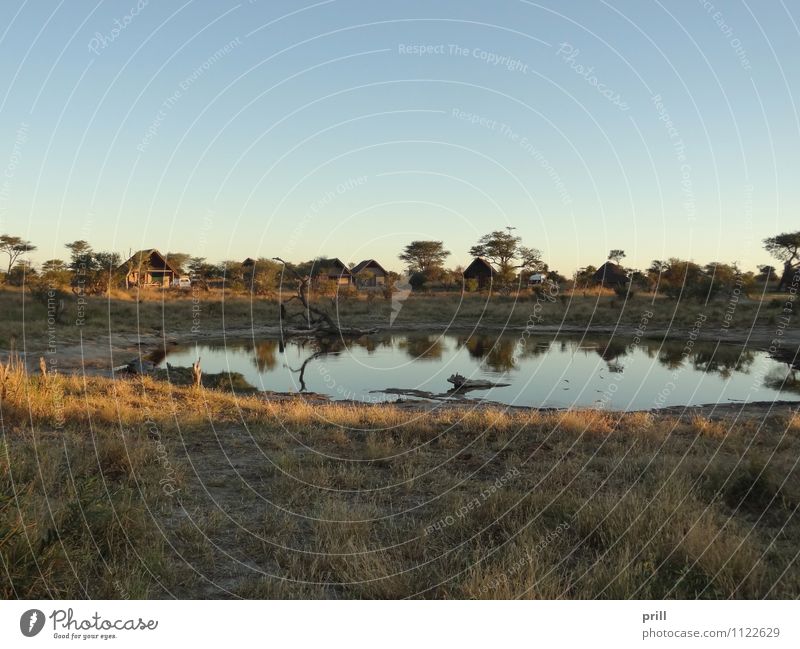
14, 247
107, 265
92, 272
55, 272
616, 255
766, 274
507, 253
426, 257
263, 277
82, 264
786, 247
178, 259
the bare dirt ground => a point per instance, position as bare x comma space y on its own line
230, 527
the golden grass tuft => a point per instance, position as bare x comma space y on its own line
708, 427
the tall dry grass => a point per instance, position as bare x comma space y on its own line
292, 499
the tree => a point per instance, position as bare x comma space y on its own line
616, 255
766, 274
786, 247
55, 272
92, 272
678, 278
78, 248
263, 276
719, 278
418, 280
232, 272
178, 260
507, 253
639, 281
196, 266
14, 247
584, 277
654, 271
107, 264
424, 257
314, 320
200, 271
22, 272
82, 264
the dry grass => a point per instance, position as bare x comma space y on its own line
142, 489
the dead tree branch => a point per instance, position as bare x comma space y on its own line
317, 322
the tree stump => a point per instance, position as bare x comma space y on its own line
197, 374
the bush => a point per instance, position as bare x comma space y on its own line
21, 274
346, 292
624, 292
418, 281
51, 297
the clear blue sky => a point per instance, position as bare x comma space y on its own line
300, 129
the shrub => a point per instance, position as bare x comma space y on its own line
418, 281
623, 291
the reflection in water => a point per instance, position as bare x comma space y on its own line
496, 352
264, 355
423, 348
723, 360
541, 371
785, 376
783, 379
670, 355
613, 350
788, 356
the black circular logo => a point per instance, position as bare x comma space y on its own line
31, 622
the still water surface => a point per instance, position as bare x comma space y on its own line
542, 371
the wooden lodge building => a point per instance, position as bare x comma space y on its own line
149, 268
332, 270
369, 274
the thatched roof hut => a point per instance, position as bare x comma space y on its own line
480, 270
610, 274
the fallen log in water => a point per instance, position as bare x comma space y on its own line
412, 392
462, 383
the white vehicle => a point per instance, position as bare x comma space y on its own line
182, 282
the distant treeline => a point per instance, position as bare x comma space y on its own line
513, 266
